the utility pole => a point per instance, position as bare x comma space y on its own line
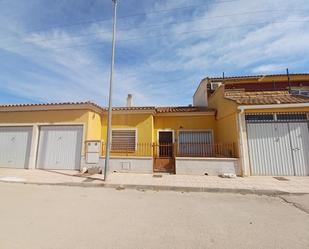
109, 121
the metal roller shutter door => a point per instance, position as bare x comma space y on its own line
60, 147
278, 144
269, 149
15, 144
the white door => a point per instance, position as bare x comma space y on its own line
279, 149
60, 147
15, 144
269, 149
300, 147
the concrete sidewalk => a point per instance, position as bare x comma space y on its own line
256, 185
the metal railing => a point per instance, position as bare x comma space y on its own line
167, 150
140, 150
206, 150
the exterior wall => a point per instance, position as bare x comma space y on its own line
52, 116
226, 118
143, 123
207, 166
125, 164
177, 123
90, 120
200, 96
95, 126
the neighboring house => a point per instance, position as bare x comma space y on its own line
167, 139
299, 84
270, 127
237, 125
47, 136
144, 139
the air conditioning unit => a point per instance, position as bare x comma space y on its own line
215, 85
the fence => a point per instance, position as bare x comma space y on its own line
168, 150
206, 150
140, 150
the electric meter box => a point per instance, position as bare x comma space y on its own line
93, 148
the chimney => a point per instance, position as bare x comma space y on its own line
129, 100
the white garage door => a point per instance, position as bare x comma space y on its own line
278, 144
15, 144
60, 147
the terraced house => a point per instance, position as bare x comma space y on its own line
249, 125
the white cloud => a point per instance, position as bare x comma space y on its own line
269, 68
184, 44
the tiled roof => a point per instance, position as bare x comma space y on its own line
265, 98
133, 108
52, 104
167, 109
182, 109
170, 109
255, 76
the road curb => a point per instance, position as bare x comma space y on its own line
268, 192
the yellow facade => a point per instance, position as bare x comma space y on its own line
90, 120
142, 123
183, 122
94, 132
226, 119
51, 117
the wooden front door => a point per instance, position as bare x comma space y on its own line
164, 160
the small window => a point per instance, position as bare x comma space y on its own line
195, 143
260, 118
123, 140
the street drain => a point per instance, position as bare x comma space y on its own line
280, 178
158, 176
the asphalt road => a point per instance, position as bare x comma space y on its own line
53, 217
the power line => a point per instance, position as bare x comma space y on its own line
177, 33
125, 17
153, 26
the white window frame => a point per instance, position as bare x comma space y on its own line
197, 130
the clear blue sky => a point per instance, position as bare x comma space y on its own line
56, 51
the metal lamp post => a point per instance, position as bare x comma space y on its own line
109, 122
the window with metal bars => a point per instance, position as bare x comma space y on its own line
256, 118
195, 143
276, 117
123, 140
291, 117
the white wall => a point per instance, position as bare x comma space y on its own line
200, 96
209, 166
125, 164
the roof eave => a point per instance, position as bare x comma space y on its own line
52, 107
197, 113
271, 106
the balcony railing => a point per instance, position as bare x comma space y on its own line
216, 150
